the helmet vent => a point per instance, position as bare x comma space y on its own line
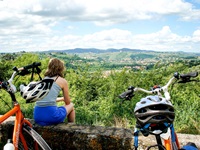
42, 94
143, 102
143, 117
142, 110
159, 117
35, 93
46, 86
149, 98
42, 84
31, 87
171, 110
158, 107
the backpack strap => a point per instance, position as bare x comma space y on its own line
56, 78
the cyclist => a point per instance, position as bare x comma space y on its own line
46, 111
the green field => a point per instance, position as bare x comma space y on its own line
95, 94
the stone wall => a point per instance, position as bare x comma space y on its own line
79, 137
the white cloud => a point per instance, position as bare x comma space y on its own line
110, 12
196, 36
102, 12
114, 38
165, 40
33, 25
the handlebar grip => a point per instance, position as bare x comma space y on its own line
35, 64
188, 75
125, 94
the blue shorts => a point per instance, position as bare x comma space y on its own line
49, 115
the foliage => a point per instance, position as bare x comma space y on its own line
97, 99
95, 92
4, 70
141, 56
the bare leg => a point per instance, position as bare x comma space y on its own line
71, 116
70, 112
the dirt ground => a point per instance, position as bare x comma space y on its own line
183, 139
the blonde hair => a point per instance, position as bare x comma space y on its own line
55, 68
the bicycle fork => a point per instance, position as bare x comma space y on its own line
170, 139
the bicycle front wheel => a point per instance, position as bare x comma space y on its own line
32, 139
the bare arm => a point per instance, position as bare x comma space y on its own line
64, 86
67, 99
59, 99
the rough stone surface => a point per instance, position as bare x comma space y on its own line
78, 137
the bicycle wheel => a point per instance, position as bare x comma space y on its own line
33, 140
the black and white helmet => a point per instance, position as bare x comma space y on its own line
154, 110
35, 91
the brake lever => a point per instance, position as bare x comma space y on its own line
188, 80
129, 97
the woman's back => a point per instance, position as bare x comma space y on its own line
50, 99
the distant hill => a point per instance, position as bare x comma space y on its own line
94, 50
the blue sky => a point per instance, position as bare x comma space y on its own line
39, 25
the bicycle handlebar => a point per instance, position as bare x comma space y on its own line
33, 65
127, 95
25, 70
8, 85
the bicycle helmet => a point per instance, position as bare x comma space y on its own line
35, 91
154, 110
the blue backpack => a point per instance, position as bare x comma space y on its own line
189, 146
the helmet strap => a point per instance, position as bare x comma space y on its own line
173, 133
37, 71
136, 133
144, 131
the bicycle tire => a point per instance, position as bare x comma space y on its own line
33, 139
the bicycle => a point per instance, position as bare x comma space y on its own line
23, 136
155, 113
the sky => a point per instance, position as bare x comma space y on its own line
40, 25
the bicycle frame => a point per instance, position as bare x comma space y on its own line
19, 122
168, 142
23, 134
167, 138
